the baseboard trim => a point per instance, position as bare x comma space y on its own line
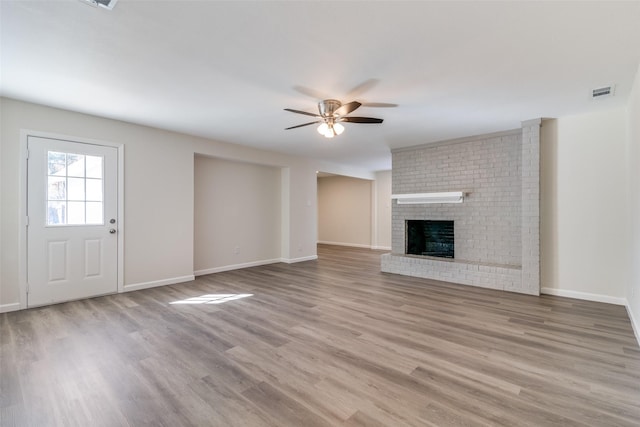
235, 267
156, 283
584, 296
355, 245
634, 322
351, 245
302, 259
6, 308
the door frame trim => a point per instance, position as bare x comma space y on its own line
22, 201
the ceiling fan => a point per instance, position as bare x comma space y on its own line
332, 112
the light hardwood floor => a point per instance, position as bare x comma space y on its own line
332, 342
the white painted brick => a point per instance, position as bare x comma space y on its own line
497, 224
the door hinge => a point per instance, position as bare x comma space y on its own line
26, 221
27, 154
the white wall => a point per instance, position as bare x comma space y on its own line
339, 196
1, 210
153, 170
158, 243
344, 211
584, 206
382, 214
632, 291
549, 206
237, 214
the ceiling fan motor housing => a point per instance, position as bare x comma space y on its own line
328, 107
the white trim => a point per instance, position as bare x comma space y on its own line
235, 267
374, 212
421, 198
285, 212
355, 245
156, 283
584, 296
22, 220
5, 308
301, 259
121, 228
634, 322
352, 245
22, 200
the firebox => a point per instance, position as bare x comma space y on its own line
429, 238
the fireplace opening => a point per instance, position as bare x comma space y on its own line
430, 238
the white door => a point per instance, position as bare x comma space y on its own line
72, 232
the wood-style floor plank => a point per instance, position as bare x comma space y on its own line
332, 342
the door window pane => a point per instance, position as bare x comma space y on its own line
57, 163
57, 188
75, 165
74, 189
94, 166
56, 213
75, 213
94, 190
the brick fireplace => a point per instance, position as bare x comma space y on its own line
497, 224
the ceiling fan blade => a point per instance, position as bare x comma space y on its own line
379, 104
316, 94
361, 88
360, 120
347, 108
302, 112
305, 124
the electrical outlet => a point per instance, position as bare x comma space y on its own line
236, 250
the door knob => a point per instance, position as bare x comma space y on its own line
112, 230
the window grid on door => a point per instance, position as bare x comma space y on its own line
74, 189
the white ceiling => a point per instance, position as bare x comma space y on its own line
226, 69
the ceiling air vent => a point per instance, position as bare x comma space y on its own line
107, 4
603, 92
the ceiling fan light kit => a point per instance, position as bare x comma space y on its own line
332, 112
329, 130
